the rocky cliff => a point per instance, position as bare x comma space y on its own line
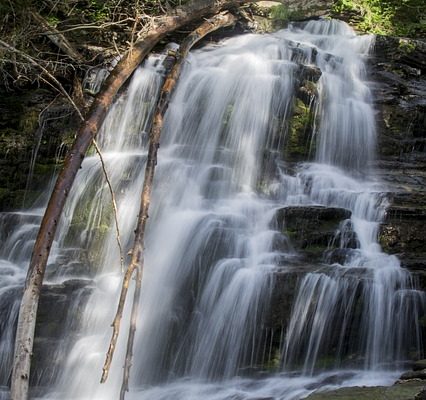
398, 75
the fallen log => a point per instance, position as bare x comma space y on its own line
137, 261
195, 10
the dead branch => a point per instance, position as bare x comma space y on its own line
57, 85
137, 253
114, 204
95, 25
132, 331
58, 38
195, 10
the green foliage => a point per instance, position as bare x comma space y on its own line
95, 11
52, 20
279, 13
385, 17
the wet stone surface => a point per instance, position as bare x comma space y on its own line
54, 336
398, 67
404, 391
311, 229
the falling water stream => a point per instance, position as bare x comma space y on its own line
212, 246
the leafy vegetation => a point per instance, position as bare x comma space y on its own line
280, 14
385, 17
300, 131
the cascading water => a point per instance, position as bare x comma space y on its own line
14, 255
376, 300
211, 247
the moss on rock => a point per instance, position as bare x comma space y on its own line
298, 144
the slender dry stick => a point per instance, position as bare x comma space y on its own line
58, 38
132, 330
208, 26
114, 204
94, 26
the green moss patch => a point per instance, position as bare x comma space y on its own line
298, 144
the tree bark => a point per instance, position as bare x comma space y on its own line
137, 260
86, 133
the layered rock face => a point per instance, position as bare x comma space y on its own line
58, 303
396, 67
398, 72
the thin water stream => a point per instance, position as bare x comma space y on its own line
212, 248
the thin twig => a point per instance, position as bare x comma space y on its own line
35, 63
94, 26
57, 38
132, 330
114, 203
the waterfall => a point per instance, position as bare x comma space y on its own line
213, 247
370, 288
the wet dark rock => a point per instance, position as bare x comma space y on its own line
405, 391
338, 256
402, 234
336, 379
286, 283
53, 336
398, 67
408, 199
419, 365
409, 52
421, 395
264, 398
32, 122
307, 92
310, 72
10, 220
68, 264
311, 229
419, 374
283, 294
284, 288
